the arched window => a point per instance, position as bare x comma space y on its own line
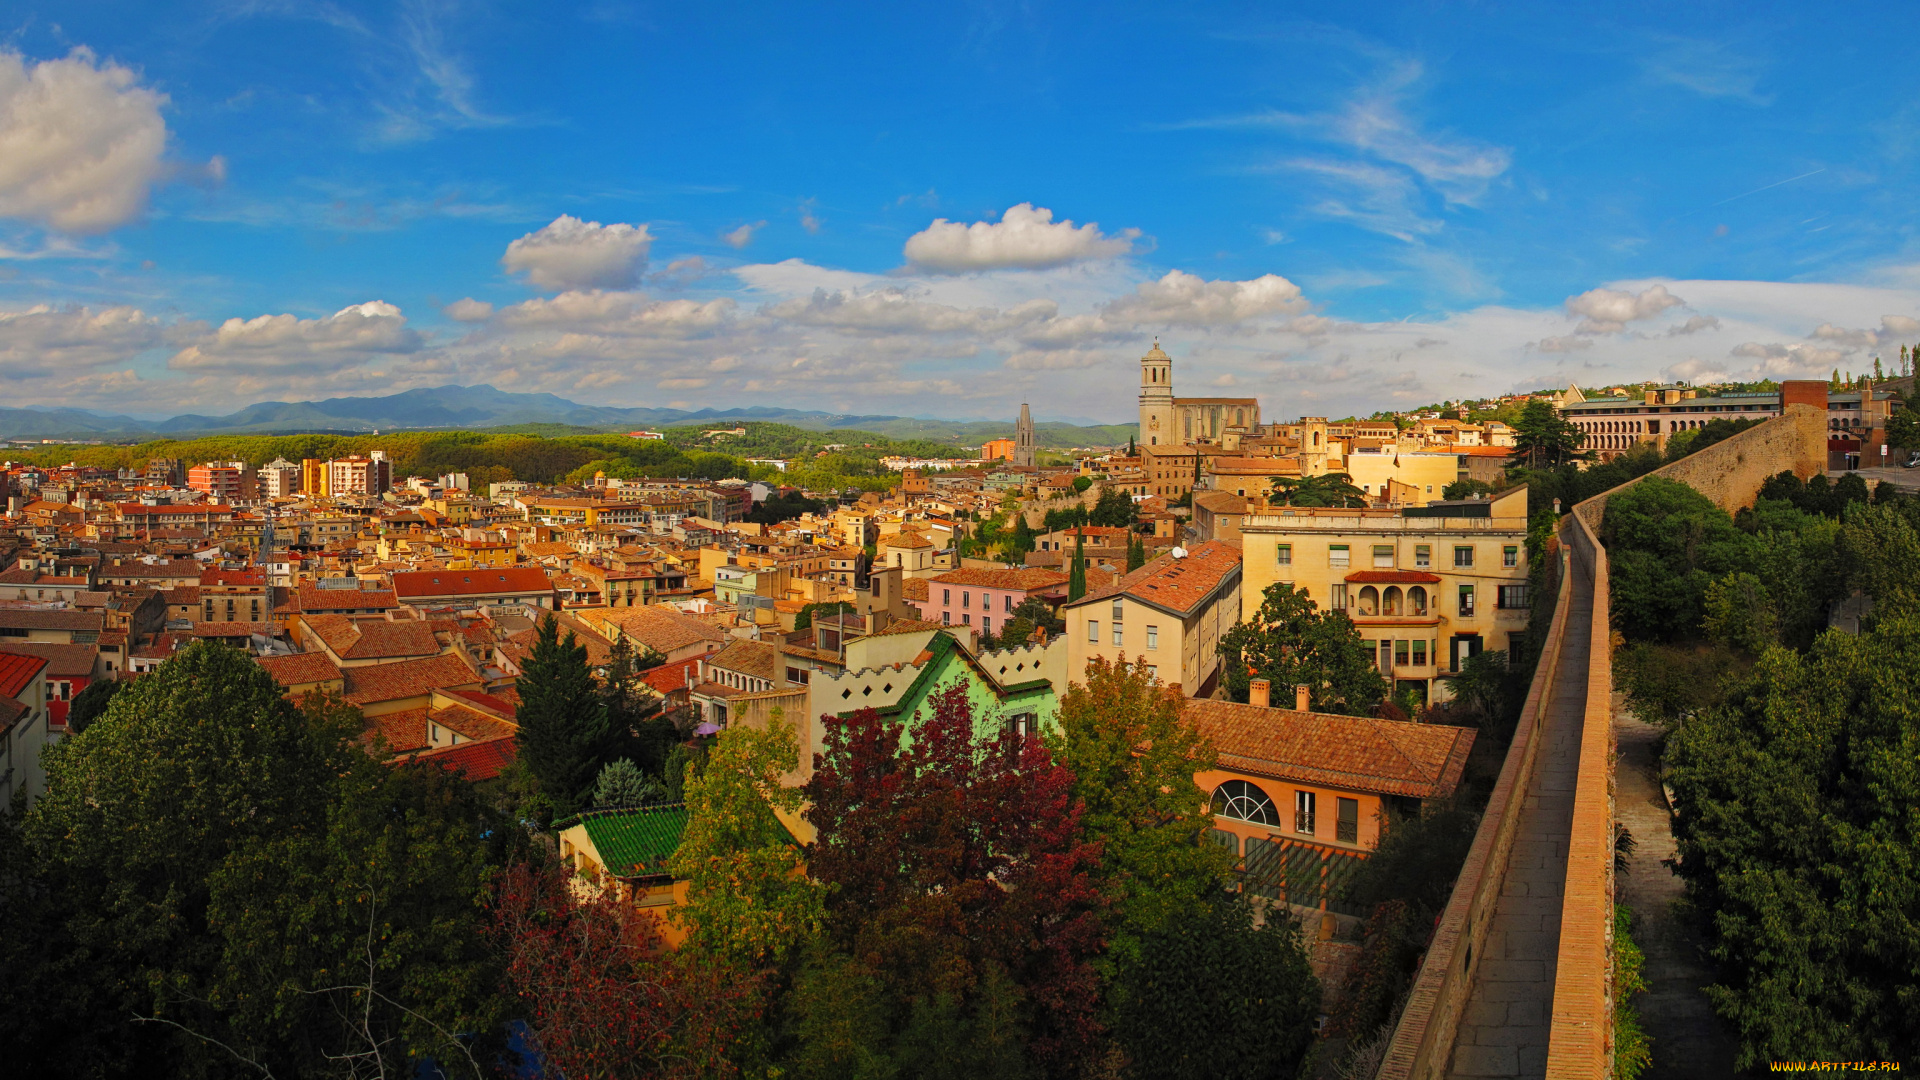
1369, 600
1416, 601
1242, 801
1390, 601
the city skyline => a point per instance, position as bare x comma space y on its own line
1334, 212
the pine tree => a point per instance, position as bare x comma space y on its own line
1077, 576
1136, 552
564, 733
1132, 450
622, 783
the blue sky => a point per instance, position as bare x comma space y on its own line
1334, 207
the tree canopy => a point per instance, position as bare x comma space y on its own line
1290, 642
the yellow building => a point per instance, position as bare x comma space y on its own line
1166, 420
1170, 613
1409, 478
313, 477
1427, 586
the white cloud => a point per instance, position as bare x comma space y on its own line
1788, 361
742, 236
468, 310
1563, 344
1185, 298
574, 254
1608, 311
49, 342
1693, 326
1892, 328
629, 314
895, 311
1458, 168
80, 142
347, 337
1025, 238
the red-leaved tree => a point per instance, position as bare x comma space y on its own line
954, 855
599, 998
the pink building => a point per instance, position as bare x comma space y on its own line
985, 599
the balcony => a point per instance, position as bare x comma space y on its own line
1432, 618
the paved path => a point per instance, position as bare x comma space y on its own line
1504, 1031
1689, 1041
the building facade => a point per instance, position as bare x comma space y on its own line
356, 475
1614, 425
1428, 586
1166, 420
222, 481
1170, 614
279, 479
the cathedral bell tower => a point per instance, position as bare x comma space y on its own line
1156, 399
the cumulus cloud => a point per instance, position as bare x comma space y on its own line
80, 142
346, 337
468, 310
1693, 326
896, 311
574, 254
742, 236
1891, 327
1189, 299
1025, 238
1790, 361
1608, 311
630, 314
45, 341
1562, 344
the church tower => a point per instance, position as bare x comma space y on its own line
1024, 452
1156, 399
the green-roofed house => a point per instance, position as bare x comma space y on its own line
627, 850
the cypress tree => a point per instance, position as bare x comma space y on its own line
1136, 552
564, 732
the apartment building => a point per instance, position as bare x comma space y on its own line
222, 481
1170, 614
279, 479
357, 475
1428, 586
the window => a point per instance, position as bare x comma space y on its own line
1419, 654
966, 599
1093, 631
1463, 558
1153, 637
1118, 612
1337, 555
1509, 556
947, 617
1153, 672
1283, 555
1401, 653
1423, 555
1303, 812
1466, 601
1383, 556
1007, 602
1390, 601
1337, 596
1021, 724
1513, 596
1346, 826
1118, 633
946, 597
986, 625
1242, 801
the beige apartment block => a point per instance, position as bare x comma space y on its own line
1170, 613
1427, 586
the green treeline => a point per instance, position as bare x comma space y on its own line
1791, 750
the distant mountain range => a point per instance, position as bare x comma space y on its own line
444, 407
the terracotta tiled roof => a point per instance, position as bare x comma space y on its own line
231, 629
313, 598
299, 669
373, 639
663, 629
1393, 577
1026, 579
482, 760
217, 576
756, 659
478, 582
915, 589
907, 539
482, 700
40, 619
1390, 757
63, 661
403, 731
471, 723
17, 671
906, 626
1175, 585
408, 678
670, 678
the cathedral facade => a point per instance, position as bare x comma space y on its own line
1166, 420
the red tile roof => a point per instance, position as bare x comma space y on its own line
408, 678
484, 700
373, 639
482, 760
312, 598
1025, 579
63, 661
1175, 585
1389, 757
17, 671
217, 576
669, 678
299, 669
513, 579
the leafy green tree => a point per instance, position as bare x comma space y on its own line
804, 621
1740, 613
1082, 483
1466, 489
1330, 489
1903, 430
1212, 997
623, 784
1290, 642
749, 898
1021, 539
1418, 859
1878, 552
1133, 760
1666, 543
1039, 613
564, 734
1114, 509
1798, 842
88, 704
1542, 439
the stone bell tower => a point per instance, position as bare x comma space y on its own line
1156, 399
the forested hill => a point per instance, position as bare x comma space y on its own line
483, 407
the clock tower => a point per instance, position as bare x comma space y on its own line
1156, 399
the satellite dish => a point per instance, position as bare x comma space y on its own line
1179, 553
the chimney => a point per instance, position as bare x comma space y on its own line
1302, 698
1259, 693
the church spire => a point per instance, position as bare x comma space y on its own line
1024, 452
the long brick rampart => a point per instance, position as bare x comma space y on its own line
1730, 473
